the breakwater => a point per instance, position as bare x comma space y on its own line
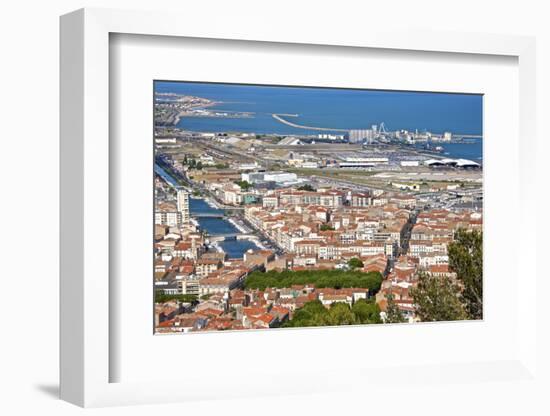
279, 118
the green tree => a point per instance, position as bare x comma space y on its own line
306, 187
311, 314
245, 186
355, 263
319, 278
437, 299
314, 313
466, 260
161, 297
366, 313
393, 314
340, 314
326, 227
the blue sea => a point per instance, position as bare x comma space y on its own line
472, 151
337, 108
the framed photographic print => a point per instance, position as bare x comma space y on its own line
314, 212
289, 207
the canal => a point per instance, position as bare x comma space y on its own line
165, 175
218, 226
212, 225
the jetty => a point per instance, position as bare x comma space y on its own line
279, 117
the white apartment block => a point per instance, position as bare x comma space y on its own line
270, 201
433, 259
171, 219
183, 205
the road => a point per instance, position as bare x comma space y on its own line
404, 248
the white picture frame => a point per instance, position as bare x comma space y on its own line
86, 356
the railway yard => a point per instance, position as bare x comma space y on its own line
375, 166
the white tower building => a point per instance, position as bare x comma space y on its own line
183, 205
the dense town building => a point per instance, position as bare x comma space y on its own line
322, 229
